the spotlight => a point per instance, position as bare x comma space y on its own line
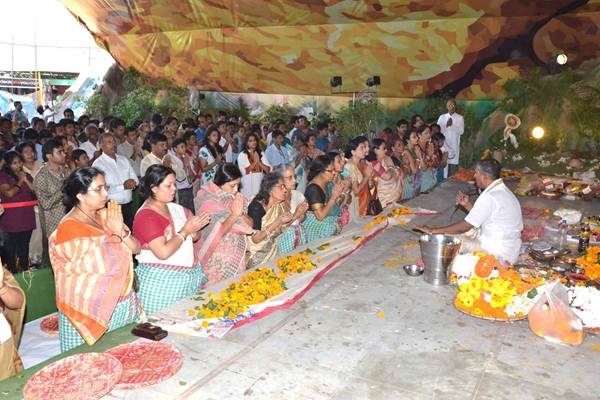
561, 59
336, 81
374, 81
537, 132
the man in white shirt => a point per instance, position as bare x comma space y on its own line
119, 176
91, 146
453, 126
179, 157
496, 214
295, 121
226, 142
131, 149
158, 155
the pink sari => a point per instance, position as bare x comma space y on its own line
222, 255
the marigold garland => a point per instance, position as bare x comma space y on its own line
374, 222
294, 264
253, 288
396, 212
488, 297
589, 263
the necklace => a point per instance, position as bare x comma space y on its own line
91, 219
165, 212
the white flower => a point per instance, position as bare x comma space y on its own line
585, 302
463, 265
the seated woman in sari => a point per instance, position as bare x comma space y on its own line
320, 222
340, 209
418, 165
389, 182
424, 150
168, 267
12, 304
295, 203
360, 171
269, 219
403, 160
439, 155
312, 151
91, 255
223, 252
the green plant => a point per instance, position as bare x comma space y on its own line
138, 105
275, 112
97, 105
360, 117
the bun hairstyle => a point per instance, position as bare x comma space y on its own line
155, 175
78, 183
352, 146
226, 173
318, 166
269, 181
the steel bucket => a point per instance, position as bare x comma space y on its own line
437, 252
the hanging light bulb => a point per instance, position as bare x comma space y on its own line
538, 132
561, 59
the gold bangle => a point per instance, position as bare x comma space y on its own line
181, 236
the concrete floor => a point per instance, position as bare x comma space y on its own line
332, 344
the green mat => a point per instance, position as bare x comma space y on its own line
40, 293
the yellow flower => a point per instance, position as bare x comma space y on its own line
205, 324
253, 288
381, 314
399, 211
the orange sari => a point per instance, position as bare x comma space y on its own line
360, 202
92, 271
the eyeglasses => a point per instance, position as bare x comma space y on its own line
100, 189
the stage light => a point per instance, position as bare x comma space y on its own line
374, 81
336, 81
538, 132
561, 59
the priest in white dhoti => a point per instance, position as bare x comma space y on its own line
494, 223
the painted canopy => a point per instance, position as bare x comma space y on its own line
418, 48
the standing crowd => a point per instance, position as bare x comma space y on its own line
195, 202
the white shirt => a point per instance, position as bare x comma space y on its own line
151, 159
184, 183
116, 172
497, 213
90, 148
228, 152
48, 115
126, 150
452, 134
